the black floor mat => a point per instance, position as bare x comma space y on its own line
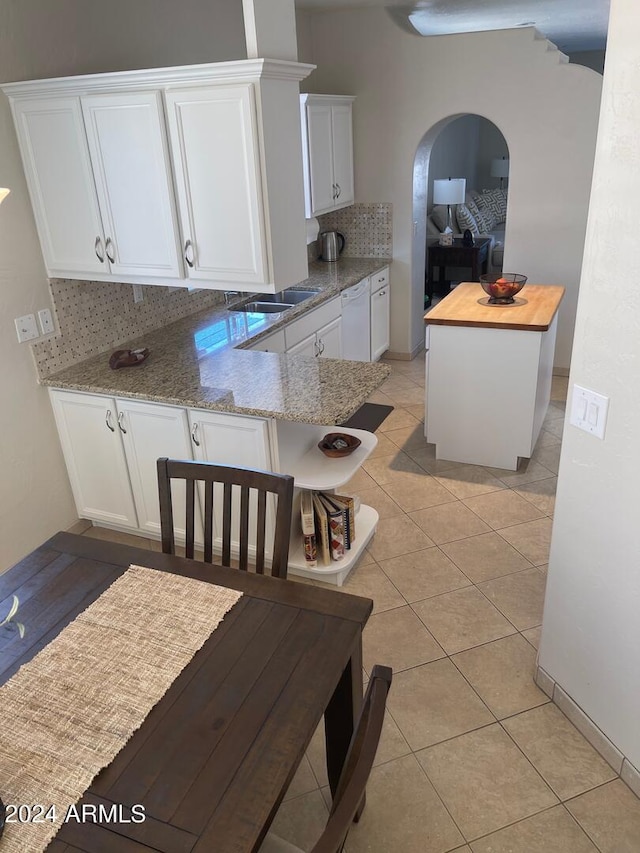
369, 416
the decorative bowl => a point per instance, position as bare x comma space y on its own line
337, 444
502, 287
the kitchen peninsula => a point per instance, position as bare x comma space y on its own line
204, 394
488, 373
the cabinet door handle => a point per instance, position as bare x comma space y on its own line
320, 346
98, 245
316, 349
120, 419
382, 293
339, 191
194, 434
107, 420
110, 255
334, 194
188, 248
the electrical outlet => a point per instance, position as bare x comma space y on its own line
27, 328
138, 293
46, 321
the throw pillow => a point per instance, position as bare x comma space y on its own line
496, 201
478, 215
466, 220
487, 213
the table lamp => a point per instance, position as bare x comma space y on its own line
500, 169
449, 191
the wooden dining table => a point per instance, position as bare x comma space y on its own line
214, 758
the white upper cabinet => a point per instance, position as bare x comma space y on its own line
217, 163
170, 175
327, 152
132, 174
60, 179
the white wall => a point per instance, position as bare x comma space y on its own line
45, 39
591, 629
405, 84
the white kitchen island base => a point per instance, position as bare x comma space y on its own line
487, 386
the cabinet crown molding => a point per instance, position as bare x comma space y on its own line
206, 73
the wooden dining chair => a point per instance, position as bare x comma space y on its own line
355, 773
253, 486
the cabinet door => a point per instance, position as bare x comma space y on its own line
92, 447
232, 440
342, 140
149, 432
273, 343
58, 170
214, 141
307, 346
379, 322
132, 172
320, 154
330, 339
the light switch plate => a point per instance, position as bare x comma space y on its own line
27, 328
589, 411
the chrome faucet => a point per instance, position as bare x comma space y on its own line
230, 295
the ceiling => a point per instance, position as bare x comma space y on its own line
572, 25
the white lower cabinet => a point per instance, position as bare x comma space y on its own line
148, 432
273, 343
232, 440
379, 313
92, 446
111, 446
317, 333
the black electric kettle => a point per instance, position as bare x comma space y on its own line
331, 245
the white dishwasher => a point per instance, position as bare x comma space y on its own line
356, 322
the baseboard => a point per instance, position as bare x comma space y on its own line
80, 526
404, 356
585, 725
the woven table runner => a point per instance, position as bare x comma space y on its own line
67, 713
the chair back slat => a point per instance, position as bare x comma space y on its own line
190, 515
166, 508
261, 522
244, 528
208, 522
226, 524
254, 486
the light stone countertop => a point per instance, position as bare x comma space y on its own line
199, 362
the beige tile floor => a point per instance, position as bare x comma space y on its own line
473, 756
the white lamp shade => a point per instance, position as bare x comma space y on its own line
449, 191
4, 192
500, 167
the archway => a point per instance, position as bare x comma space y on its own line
467, 146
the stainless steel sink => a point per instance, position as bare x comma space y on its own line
262, 307
274, 303
295, 297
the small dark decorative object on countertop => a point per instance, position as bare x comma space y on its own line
336, 444
3, 813
467, 238
127, 358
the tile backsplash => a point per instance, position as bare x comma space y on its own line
94, 316
367, 229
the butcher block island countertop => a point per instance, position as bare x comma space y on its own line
534, 310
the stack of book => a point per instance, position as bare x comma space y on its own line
328, 525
